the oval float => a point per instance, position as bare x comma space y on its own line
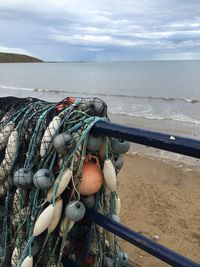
27, 262
62, 184
44, 220
57, 214
49, 133
110, 175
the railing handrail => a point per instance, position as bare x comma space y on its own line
182, 145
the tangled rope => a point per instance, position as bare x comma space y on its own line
51, 168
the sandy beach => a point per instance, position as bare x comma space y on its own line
160, 200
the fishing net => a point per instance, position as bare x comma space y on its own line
51, 169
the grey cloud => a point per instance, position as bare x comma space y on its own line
99, 30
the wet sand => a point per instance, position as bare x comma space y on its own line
160, 200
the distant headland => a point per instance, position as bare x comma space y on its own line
17, 58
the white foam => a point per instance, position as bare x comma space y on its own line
16, 88
136, 110
147, 113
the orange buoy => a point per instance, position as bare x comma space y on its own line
92, 176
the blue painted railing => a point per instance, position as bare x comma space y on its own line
140, 241
173, 143
177, 144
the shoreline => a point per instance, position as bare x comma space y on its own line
173, 127
174, 159
160, 199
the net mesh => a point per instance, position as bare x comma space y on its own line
38, 211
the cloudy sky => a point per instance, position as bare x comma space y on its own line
101, 29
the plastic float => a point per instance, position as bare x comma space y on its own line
58, 175
50, 173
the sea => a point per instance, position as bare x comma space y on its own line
161, 96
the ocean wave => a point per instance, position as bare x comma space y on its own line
84, 93
167, 117
193, 101
140, 111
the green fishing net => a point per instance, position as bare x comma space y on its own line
51, 169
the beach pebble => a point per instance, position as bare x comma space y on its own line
155, 237
115, 218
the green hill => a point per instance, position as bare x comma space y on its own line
16, 58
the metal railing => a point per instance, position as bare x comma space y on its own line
177, 144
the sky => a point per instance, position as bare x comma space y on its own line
101, 30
